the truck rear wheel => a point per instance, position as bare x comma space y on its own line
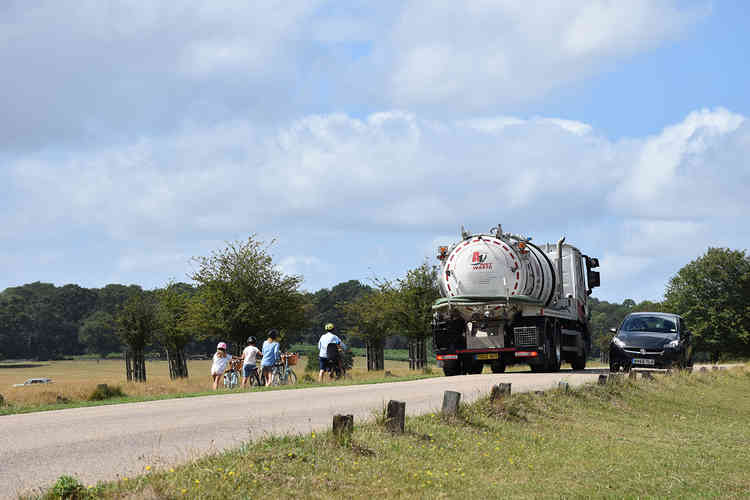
553, 348
579, 362
451, 368
449, 372
476, 368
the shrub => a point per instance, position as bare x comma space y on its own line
103, 391
68, 487
312, 363
115, 355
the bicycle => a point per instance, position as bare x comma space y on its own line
337, 367
231, 376
254, 377
282, 372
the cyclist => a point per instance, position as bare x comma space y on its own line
220, 362
328, 350
271, 354
249, 356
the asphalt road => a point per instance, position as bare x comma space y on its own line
107, 442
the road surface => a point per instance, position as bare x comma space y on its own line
107, 442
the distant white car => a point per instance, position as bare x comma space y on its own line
33, 381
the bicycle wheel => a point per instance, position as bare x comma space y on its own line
230, 380
255, 379
291, 377
276, 377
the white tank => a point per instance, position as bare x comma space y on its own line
488, 266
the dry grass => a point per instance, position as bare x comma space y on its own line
682, 436
76, 380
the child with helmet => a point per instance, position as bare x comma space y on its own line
250, 355
220, 362
328, 350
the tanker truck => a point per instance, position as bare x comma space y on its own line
505, 300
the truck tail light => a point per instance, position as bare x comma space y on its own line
442, 357
527, 354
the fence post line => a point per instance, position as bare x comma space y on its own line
499, 391
451, 400
395, 416
343, 425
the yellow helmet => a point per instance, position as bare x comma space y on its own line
329, 327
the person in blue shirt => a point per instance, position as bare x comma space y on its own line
328, 354
271, 354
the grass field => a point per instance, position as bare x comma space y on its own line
74, 381
674, 437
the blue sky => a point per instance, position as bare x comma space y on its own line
361, 135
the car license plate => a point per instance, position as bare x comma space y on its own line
643, 361
490, 355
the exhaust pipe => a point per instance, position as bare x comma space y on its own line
560, 268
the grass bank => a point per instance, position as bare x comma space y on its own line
678, 436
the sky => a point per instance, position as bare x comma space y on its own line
358, 136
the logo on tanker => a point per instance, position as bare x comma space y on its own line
479, 261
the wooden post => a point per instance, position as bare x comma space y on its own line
602, 379
395, 416
564, 386
499, 391
451, 399
343, 425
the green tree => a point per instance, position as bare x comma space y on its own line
372, 321
98, 333
411, 309
243, 293
137, 323
324, 306
712, 293
176, 329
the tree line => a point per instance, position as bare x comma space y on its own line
238, 291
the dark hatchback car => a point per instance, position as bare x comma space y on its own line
651, 340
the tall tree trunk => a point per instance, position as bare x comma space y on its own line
128, 365
177, 363
417, 353
139, 366
375, 355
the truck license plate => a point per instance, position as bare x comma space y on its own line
643, 361
490, 355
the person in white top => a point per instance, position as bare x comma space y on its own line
250, 356
328, 350
220, 363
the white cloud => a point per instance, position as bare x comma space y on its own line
326, 182
128, 69
671, 176
490, 53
